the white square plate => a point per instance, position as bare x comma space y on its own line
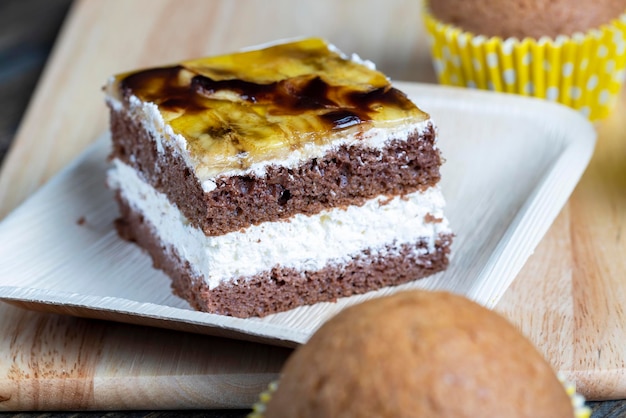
511, 164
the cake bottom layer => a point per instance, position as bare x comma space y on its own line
279, 288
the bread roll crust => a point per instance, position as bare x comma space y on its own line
418, 353
527, 18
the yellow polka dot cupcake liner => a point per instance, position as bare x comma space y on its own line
585, 71
581, 410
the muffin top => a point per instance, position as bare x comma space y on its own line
418, 353
526, 18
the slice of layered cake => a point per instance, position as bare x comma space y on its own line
268, 179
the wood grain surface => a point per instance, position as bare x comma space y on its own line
568, 299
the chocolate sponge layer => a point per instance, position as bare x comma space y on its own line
278, 288
348, 175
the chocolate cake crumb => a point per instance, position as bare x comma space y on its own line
402, 167
280, 288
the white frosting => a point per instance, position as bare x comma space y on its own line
152, 121
303, 242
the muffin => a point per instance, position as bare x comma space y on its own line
560, 50
418, 353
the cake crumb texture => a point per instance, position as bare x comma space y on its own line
279, 288
344, 176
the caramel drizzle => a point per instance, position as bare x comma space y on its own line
338, 107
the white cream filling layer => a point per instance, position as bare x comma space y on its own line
153, 122
303, 242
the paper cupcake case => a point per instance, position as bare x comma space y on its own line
583, 71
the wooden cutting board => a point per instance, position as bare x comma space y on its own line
568, 299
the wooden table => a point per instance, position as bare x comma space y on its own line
58, 362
